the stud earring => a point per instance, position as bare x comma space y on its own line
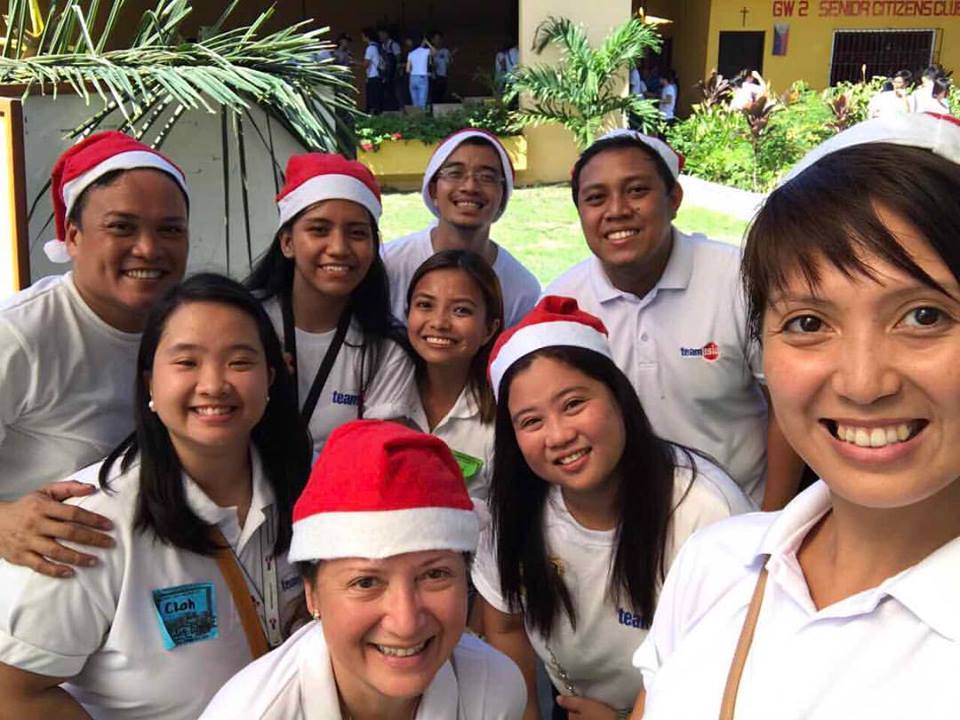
316, 615
151, 406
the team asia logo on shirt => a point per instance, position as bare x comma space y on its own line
627, 618
339, 398
709, 352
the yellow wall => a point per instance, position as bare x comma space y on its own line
811, 35
691, 20
551, 151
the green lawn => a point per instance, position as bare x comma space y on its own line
541, 227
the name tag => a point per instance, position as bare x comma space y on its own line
186, 613
469, 465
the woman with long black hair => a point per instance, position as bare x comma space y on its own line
588, 509
200, 497
324, 286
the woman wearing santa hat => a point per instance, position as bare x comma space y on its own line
385, 572
589, 508
455, 314
843, 604
200, 497
68, 343
467, 184
324, 286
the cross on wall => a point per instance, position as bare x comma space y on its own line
743, 13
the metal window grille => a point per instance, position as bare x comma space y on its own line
884, 52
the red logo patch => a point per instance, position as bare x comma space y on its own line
711, 352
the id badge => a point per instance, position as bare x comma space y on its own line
469, 465
186, 613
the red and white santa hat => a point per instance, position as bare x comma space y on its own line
85, 163
445, 150
931, 131
313, 177
674, 160
555, 321
380, 489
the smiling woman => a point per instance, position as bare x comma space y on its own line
200, 497
381, 534
856, 298
324, 286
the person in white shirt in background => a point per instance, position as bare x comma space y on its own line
442, 59
466, 185
668, 96
676, 313
201, 492
372, 65
893, 99
936, 102
749, 85
418, 71
843, 604
68, 344
589, 508
639, 88
390, 52
382, 536
324, 286
454, 315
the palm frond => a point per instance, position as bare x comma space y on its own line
231, 69
583, 91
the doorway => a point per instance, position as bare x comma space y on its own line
740, 50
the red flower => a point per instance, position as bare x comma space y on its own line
397, 136
366, 146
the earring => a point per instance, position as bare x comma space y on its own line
316, 615
268, 397
151, 406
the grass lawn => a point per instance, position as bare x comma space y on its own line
541, 227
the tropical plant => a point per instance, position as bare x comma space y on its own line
149, 85
583, 91
715, 90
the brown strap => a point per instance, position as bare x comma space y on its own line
729, 705
233, 576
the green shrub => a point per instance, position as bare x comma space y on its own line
373, 130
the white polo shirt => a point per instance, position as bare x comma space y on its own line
296, 682
372, 54
340, 399
891, 652
403, 256
67, 385
419, 59
461, 429
686, 350
596, 657
105, 627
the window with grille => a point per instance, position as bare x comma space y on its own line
884, 52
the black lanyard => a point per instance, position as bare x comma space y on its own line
326, 365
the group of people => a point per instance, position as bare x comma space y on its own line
648, 82
544, 467
414, 73
899, 96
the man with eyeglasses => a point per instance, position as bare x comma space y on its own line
467, 184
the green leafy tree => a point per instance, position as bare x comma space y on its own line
583, 91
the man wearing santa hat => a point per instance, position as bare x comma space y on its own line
381, 534
68, 343
467, 185
676, 314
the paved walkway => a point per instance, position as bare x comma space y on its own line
720, 198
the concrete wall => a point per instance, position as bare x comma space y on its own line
195, 145
812, 23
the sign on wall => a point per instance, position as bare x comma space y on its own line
866, 8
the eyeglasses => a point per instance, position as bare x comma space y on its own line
457, 176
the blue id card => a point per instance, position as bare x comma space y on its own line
186, 613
